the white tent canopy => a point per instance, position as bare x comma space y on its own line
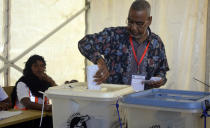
182, 25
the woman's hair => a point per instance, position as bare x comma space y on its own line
33, 59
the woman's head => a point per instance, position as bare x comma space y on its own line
35, 65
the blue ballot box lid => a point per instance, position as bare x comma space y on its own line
178, 99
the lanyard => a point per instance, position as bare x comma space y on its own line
134, 53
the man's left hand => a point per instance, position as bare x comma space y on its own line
157, 84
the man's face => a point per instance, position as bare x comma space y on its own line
138, 22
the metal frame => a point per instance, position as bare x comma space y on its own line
6, 33
207, 79
86, 31
11, 63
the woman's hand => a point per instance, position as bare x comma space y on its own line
47, 78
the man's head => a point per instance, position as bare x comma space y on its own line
139, 19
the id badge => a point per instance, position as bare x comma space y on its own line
136, 82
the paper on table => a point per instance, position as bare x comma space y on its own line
138, 82
91, 71
7, 114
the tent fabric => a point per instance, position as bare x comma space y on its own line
31, 20
1, 41
182, 25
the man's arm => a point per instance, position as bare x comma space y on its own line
93, 46
162, 69
5, 104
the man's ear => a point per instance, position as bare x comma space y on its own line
149, 20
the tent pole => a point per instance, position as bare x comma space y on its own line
86, 31
207, 79
6, 38
10, 64
44, 38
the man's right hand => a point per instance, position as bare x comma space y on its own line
102, 74
4, 106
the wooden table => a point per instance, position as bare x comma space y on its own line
25, 116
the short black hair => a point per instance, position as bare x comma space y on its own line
33, 59
140, 5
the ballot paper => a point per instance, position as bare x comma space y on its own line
137, 82
155, 78
7, 114
152, 79
91, 71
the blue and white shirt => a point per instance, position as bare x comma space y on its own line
3, 94
113, 44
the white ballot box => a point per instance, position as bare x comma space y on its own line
163, 108
74, 105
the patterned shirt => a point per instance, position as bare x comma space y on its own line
114, 46
133, 70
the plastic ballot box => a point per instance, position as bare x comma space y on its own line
162, 108
74, 106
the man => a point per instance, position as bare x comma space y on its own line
121, 52
4, 100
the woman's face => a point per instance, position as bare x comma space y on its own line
38, 68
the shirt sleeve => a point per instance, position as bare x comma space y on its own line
92, 46
3, 94
22, 91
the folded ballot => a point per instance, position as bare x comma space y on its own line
91, 71
138, 82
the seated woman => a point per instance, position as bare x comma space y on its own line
4, 100
26, 93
